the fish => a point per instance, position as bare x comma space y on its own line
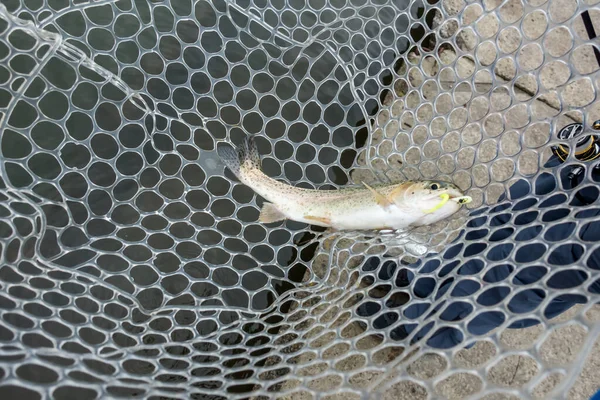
397, 206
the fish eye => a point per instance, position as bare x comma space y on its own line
434, 186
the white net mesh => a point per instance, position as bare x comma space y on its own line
134, 265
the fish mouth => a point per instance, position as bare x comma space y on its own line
449, 194
456, 196
452, 194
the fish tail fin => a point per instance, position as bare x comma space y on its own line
230, 157
270, 213
251, 154
246, 156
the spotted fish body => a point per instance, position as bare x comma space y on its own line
398, 206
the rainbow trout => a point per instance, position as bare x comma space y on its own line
398, 206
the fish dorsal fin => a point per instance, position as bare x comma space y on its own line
382, 200
270, 213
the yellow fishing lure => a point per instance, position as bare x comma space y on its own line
445, 197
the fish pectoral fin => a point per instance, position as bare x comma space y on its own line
382, 200
323, 220
270, 213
